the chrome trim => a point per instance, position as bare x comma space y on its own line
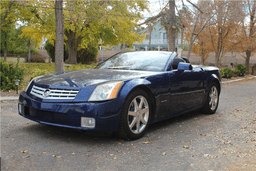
54, 93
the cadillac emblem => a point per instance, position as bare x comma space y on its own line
47, 93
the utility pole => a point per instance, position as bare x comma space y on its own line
59, 45
172, 33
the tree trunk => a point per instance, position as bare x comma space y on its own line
192, 39
123, 48
59, 48
149, 44
202, 55
172, 33
72, 54
181, 42
5, 50
29, 51
72, 43
247, 61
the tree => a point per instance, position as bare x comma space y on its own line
197, 21
229, 16
248, 32
215, 28
88, 22
8, 17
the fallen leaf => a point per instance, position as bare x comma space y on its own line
88, 155
147, 142
164, 153
53, 155
115, 157
58, 157
111, 154
24, 151
186, 147
73, 154
170, 137
44, 152
39, 154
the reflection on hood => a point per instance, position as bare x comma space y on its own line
89, 77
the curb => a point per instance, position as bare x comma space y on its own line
9, 98
224, 82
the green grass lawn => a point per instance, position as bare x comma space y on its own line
36, 69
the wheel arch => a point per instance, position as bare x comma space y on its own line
211, 79
143, 84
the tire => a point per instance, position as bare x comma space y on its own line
212, 100
135, 116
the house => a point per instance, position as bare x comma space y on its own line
158, 38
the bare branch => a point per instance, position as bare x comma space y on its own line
195, 6
160, 14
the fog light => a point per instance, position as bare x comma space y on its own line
87, 122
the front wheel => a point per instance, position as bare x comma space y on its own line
135, 116
212, 100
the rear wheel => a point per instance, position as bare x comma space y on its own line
135, 116
212, 100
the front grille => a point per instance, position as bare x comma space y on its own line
53, 93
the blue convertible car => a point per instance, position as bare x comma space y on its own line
124, 94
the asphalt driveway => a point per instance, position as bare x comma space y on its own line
223, 141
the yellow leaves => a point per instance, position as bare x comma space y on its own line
164, 153
32, 33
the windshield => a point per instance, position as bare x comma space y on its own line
144, 61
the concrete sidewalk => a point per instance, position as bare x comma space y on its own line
223, 83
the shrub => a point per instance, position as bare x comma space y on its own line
51, 50
184, 47
226, 72
37, 72
88, 54
22, 50
241, 69
83, 55
9, 73
36, 58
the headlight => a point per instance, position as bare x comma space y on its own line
106, 91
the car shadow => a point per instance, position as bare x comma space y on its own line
80, 136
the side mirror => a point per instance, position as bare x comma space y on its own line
184, 66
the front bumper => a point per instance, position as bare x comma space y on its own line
106, 114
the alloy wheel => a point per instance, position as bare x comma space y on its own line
138, 114
214, 97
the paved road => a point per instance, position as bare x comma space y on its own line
223, 141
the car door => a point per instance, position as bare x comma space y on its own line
186, 90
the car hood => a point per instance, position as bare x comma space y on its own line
89, 77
